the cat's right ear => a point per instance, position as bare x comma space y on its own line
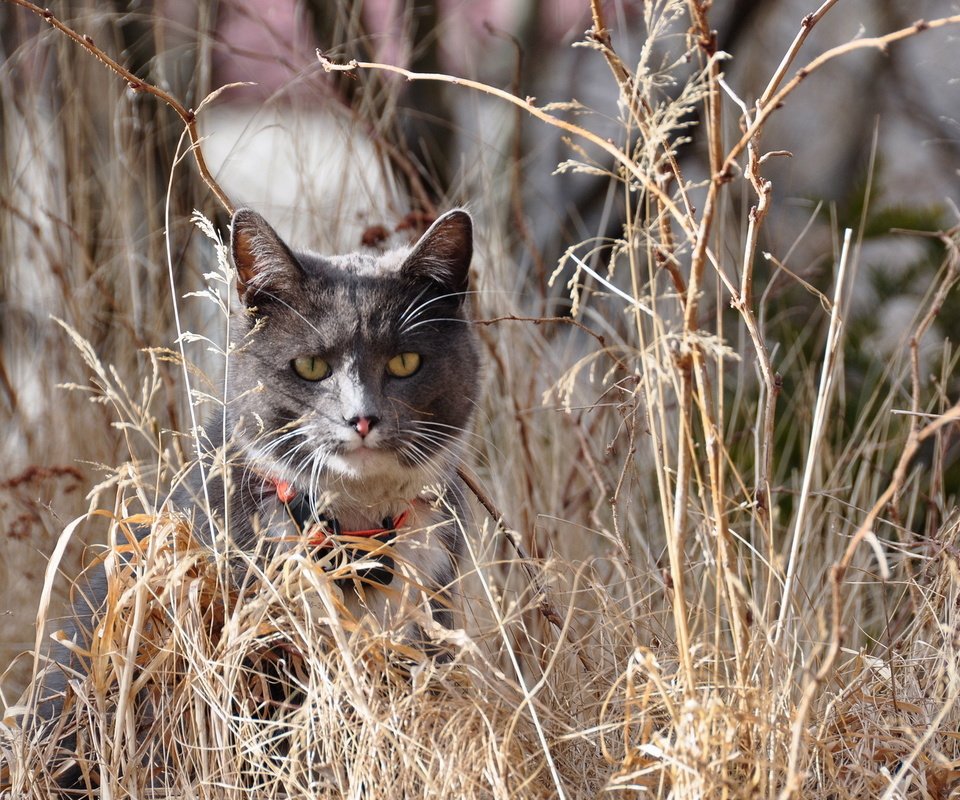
443, 253
265, 266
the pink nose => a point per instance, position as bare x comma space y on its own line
363, 425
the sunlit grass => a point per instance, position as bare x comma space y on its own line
724, 590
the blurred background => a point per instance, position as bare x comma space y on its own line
97, 187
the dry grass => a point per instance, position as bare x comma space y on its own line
734, 594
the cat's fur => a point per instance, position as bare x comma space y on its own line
356, 312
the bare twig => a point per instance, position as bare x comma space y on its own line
743, 303
871, 43
601, 340
135, 84
527, 104
914, 440
806, 25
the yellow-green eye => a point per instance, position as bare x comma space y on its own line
403, 365
311, 368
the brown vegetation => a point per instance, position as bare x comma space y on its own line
700, 577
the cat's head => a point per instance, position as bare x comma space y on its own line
358, 368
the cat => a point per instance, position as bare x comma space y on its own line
350, 387
349, 393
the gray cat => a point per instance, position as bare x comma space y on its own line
349, 392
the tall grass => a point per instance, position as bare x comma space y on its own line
698, 580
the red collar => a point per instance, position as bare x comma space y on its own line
286, 493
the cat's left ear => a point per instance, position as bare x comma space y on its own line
443, 253
264, 264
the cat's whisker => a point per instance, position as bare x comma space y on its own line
404, 323
411, 307
289, 460
432, 320
452, 454
306, 465
266, 451
271, 436
275, 441
456, 430
284, 303
442, 449
423, 461
457, 438
445, 444
317, 463
436, 299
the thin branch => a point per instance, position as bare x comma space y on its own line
764, 111
743, 303
914, 440
601, 340
526, 104
806, 25
873, 42
135, 84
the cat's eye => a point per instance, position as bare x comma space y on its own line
311, 368
403, 365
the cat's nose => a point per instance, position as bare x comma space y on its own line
363, 425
